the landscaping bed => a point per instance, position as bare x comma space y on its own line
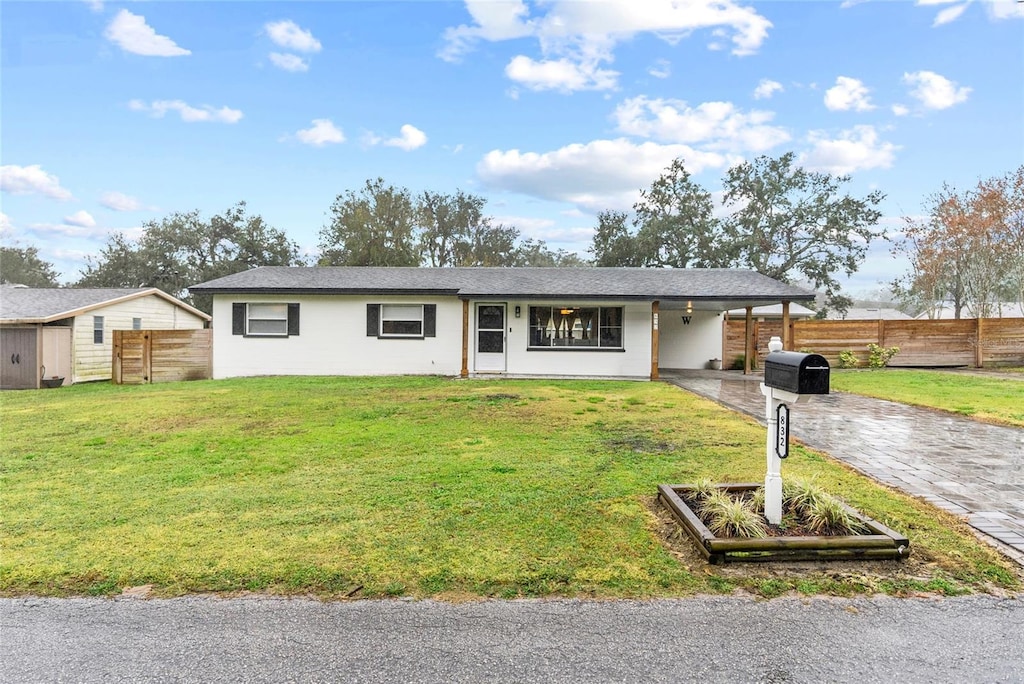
792, 541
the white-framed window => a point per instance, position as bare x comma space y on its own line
136, 324
266, 319
401, 320
97, 329
259, 319
575, 327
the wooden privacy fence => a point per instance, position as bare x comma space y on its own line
143, 356
965, 342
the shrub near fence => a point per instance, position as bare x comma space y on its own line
921, 343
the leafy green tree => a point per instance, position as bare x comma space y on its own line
24, 267
488, 245
183, 249
447, 226
536, 253
677, 227
789, 223
613, 243
374, 227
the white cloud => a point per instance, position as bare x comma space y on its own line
5, 223
766, 88
27, 180
289, 35
900, 110
1005, 9
322, 132
584, 34
95, 5
601, 174
188, 113
559, 74
410, 138
949, 14
996, 9
848, 93
45, 230
935, 91
132, 34
288, 61
80, 218
661, 68
856, 149
715, 125
120, 202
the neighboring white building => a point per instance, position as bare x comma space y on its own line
773, 311
68, 332
858, 313
946, 310
583, 322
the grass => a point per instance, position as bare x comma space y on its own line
990, 399
376, 487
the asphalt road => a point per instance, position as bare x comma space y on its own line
708, 639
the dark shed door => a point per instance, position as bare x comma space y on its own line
19, 368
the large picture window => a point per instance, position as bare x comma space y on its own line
576, 327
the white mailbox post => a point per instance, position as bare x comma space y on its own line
789, 378
774, 400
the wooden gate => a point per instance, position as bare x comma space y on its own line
145, 356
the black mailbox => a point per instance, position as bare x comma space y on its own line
796, 372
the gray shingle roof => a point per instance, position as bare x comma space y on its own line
734, 285
44, 304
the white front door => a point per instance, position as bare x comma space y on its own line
490, 338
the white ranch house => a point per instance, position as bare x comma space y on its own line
519, 322
61, 332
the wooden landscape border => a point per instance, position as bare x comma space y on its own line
883, 543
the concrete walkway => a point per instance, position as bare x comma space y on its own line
968, 468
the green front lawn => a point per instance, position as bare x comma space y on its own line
991, 399
407, 486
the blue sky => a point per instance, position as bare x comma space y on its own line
116, 113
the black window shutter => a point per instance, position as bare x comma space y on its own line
372, 320
293, 319
238, 319
430, 320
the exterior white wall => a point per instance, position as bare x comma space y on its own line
332, 340
93, 361
632, 362
690, 345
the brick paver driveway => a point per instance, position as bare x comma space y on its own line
963, 466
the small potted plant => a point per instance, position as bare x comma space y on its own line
715, 364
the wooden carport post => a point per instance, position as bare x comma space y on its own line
787, 333
654, 340
748, 335
465, 339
